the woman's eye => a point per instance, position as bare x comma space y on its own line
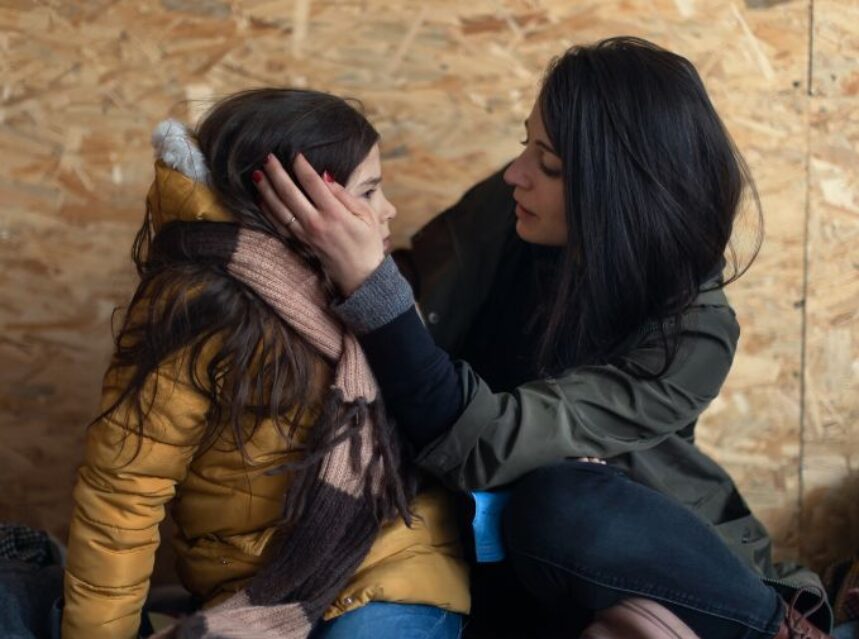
368, 194
550, 172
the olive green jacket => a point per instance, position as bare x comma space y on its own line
644, 426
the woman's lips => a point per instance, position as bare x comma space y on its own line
521, 211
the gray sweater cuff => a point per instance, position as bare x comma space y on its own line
382, 298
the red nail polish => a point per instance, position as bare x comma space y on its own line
256, 176
327, 177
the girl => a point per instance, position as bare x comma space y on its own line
264, 433
583, 299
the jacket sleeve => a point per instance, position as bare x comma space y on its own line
119, 502
600, 411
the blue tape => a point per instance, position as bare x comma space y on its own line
486, 525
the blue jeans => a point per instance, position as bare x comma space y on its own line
382, 620
586, 533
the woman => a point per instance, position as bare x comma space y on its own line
592, 323
288, 494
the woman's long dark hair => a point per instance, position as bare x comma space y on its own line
653, 184
239, 354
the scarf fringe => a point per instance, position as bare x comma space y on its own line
399, 480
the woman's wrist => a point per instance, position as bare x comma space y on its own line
377, 301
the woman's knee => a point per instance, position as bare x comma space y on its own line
570, 505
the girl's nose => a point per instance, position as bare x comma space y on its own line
389, 211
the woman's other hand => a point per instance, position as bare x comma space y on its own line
341, 229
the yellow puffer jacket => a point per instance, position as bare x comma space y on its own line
225, 508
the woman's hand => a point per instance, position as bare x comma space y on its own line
340, 228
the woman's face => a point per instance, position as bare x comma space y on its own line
366, 183
538, 187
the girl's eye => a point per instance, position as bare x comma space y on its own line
368, 194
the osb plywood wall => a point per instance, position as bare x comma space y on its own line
448, 84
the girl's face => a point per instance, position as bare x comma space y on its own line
538, 187
366, 183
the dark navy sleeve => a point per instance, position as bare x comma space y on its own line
420, 384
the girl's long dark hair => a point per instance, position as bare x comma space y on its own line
240, 356
653, 185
